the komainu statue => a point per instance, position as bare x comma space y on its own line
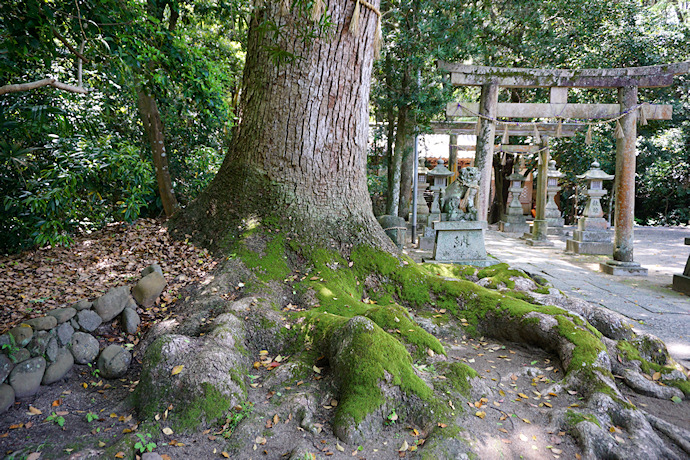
459, 201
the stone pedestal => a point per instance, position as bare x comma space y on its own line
537, 237
460, 243
681, 283
552, 214
513, 221
591, 237
615, 267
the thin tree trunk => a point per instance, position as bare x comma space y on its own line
153, 127
406, 171
395, 166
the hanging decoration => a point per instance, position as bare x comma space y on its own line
354, 22
506, 138
619, 130
643, 117
317, 10
559, 129
588, 136
537, 137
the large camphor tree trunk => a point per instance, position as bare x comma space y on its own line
299, 150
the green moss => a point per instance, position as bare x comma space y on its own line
209, 406
450, 270
458, 376
682, 385
368, 356
587, 345
395, 319
631, 353
573, 418
271, 264
542, 290
498, 274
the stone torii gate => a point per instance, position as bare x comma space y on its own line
625, 80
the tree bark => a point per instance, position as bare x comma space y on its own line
153, 127
299, 150
395, 164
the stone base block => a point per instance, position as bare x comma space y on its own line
531, 241
559, 231
681, 283
589, 247
601, 236
510, 227
614, 267
460, 243
426, 243
555, 221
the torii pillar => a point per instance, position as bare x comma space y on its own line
622, 262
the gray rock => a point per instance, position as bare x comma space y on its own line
114, 361
88, 320
130, 320
63, 314
148, 289
83, 304
22, 334
52, 349
65, 332
6, 366
39, 343
5, 341
6, 397
111, 304
74, 323
26, 377
42, 323
152, 268
84, 347
59, 368
19, 355
151, 456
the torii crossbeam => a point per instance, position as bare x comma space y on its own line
625, 80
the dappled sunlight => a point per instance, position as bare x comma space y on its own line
520, 441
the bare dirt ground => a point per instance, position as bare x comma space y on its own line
509, 412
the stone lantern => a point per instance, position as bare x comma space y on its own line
554, 220
439, 180
592, 235
513, 221
422, 185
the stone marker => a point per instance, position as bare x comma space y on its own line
130, 320
65, 331
6, 397
84, 347
6, 366
111, 304
22, 334
44, 323
61, 366
88, 320
148, 289
63, 314
114, 361
26, 377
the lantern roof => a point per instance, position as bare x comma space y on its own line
440, 170
595, 173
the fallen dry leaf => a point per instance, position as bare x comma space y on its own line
167, 430
177, 369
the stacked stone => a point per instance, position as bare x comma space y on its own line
43, 350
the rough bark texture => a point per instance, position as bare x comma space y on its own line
153, 127
407, 172
395, 164
299, 150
